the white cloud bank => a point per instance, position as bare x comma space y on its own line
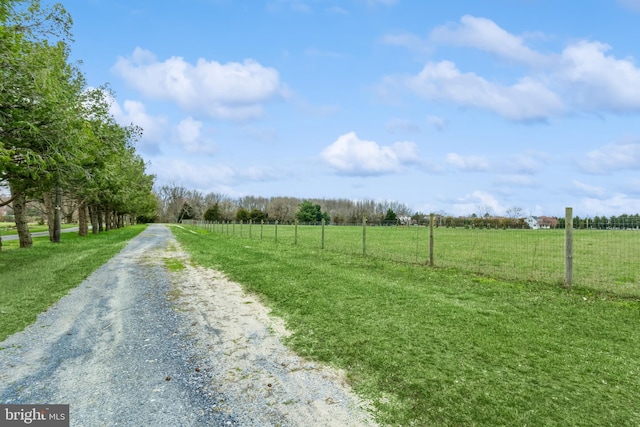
583, 77
467, 163
224, 91
188, 133
611, 158
351, 155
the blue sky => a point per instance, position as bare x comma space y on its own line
453, 106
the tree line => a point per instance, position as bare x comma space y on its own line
176, 203
58, 141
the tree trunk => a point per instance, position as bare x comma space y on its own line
107, 220
99, 215
120, 221
93, 215
57, 215
83, 225
48, 205
20, 213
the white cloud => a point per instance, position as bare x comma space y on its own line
134, 112
529, 162
207, 176
589, 190
470, 203
467, 163
583, 77
227, 91
596, 81
486, 35
615, 205
515, 180
527, 100
611, 158
353, 156
188, 133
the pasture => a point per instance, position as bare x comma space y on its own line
603, 260
441, 346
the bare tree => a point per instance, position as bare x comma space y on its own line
515, 212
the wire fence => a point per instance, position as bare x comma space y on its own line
602, 258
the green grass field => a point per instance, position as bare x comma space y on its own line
604, 260
9, 228
33, 279
442, 347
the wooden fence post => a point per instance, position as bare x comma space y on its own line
276, 231
431, 256
364, 234
568, 247
295, 238
250, 223
322, 233
261, 227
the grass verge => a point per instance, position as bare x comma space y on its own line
444, 348
10, 230
31, 280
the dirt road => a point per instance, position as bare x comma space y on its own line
136, 345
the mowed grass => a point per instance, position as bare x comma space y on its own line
441, 347
31, 280
603, 260
8, 228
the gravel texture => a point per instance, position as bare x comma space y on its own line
136, 345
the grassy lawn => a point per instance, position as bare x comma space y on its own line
8, 228
441, 347
604, 260
33, 279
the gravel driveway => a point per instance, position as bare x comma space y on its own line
135, 345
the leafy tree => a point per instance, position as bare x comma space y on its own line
256, 215
213, 213
243, 215
38, 115
390, 216
310, 212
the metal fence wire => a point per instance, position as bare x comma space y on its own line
602, 257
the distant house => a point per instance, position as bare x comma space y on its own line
541, 222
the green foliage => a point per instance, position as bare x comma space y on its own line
173, 264
213, 213
311, 213
242, 215
439, 347
256, 215
55, 133
390, 216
